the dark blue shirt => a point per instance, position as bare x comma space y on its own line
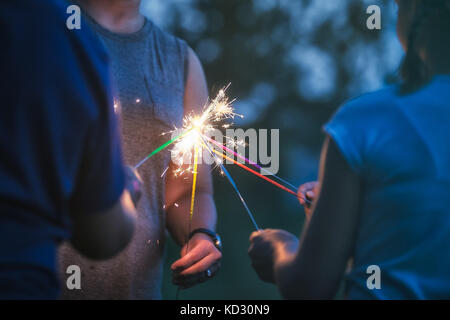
399, 146
59, 146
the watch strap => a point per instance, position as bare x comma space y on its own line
213, 235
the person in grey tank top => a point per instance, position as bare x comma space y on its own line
158, 79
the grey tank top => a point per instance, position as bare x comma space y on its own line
149, 70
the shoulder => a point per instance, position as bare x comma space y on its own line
37, 35
376, 102
168, 42
44, 24
361, 121
369, 110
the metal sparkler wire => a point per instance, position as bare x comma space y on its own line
256, 173
191, 209
162, 147
194, 182
230, 179
262, 177
250, 162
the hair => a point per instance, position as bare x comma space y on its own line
429, 33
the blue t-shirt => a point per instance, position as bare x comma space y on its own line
59, 146
399, 145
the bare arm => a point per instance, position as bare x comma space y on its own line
190, 268
178, 189
102, 235
313, 267
328, 239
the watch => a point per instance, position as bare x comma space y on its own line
213, 235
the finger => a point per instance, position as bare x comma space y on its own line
196, 254
215, 269
201, 265
181, 277
256, 251
253, 249
301, 198
255, 234
263, 270
304, 187
187, 281
250, 250
311, 194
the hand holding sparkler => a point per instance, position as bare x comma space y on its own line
198, 264
307, 192
269, 249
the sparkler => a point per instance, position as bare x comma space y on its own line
227, 174
160, 148
292, 192
194, 183
196, 127
256, 173
195, 136
250, 162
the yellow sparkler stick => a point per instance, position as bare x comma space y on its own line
194, 183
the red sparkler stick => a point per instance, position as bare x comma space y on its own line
256, 173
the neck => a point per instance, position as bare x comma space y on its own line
121, 16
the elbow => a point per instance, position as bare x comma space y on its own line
99, 242
106, 248
94, 252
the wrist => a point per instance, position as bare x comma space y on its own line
202, 233
285, 255
200, 236
286, 251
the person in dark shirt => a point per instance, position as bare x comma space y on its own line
61, 171
382, 200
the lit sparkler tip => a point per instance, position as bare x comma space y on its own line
218, 109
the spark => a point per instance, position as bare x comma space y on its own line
162, 175
196, 126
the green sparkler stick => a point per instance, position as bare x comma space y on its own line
162, 147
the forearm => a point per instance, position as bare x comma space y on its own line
204, 215
116, 225
299, 276
284, 266
293, 277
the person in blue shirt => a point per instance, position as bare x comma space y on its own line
382, 200
61, 171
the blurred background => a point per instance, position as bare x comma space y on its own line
290, 64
